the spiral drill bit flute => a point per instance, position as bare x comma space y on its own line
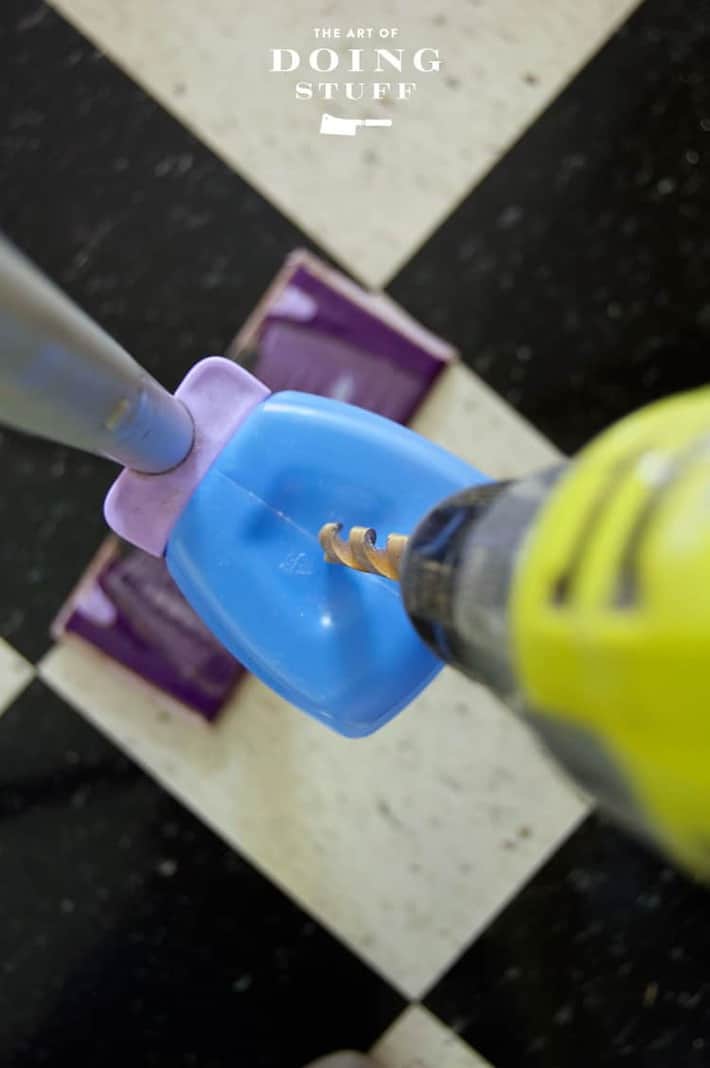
359, 550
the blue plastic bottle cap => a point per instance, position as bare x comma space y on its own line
245, 553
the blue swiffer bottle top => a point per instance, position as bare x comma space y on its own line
245, 553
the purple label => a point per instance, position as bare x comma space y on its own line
292, 356
132, 611
319, 333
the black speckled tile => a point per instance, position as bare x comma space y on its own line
129, 933
576, 277
149, 232
601, 960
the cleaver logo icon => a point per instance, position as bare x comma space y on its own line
331, 124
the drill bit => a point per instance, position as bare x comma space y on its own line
360, 552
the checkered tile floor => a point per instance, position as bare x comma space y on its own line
264, 892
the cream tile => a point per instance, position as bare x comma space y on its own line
15, 673
404, 844
418, 1040
467, 417
373, 198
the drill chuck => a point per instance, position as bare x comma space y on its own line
457, 570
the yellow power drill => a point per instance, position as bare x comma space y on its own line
581, 596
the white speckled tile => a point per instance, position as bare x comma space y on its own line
373, 198
466, 416
404, 844
15, 673
418, 1040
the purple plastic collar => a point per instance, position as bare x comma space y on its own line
219, 396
